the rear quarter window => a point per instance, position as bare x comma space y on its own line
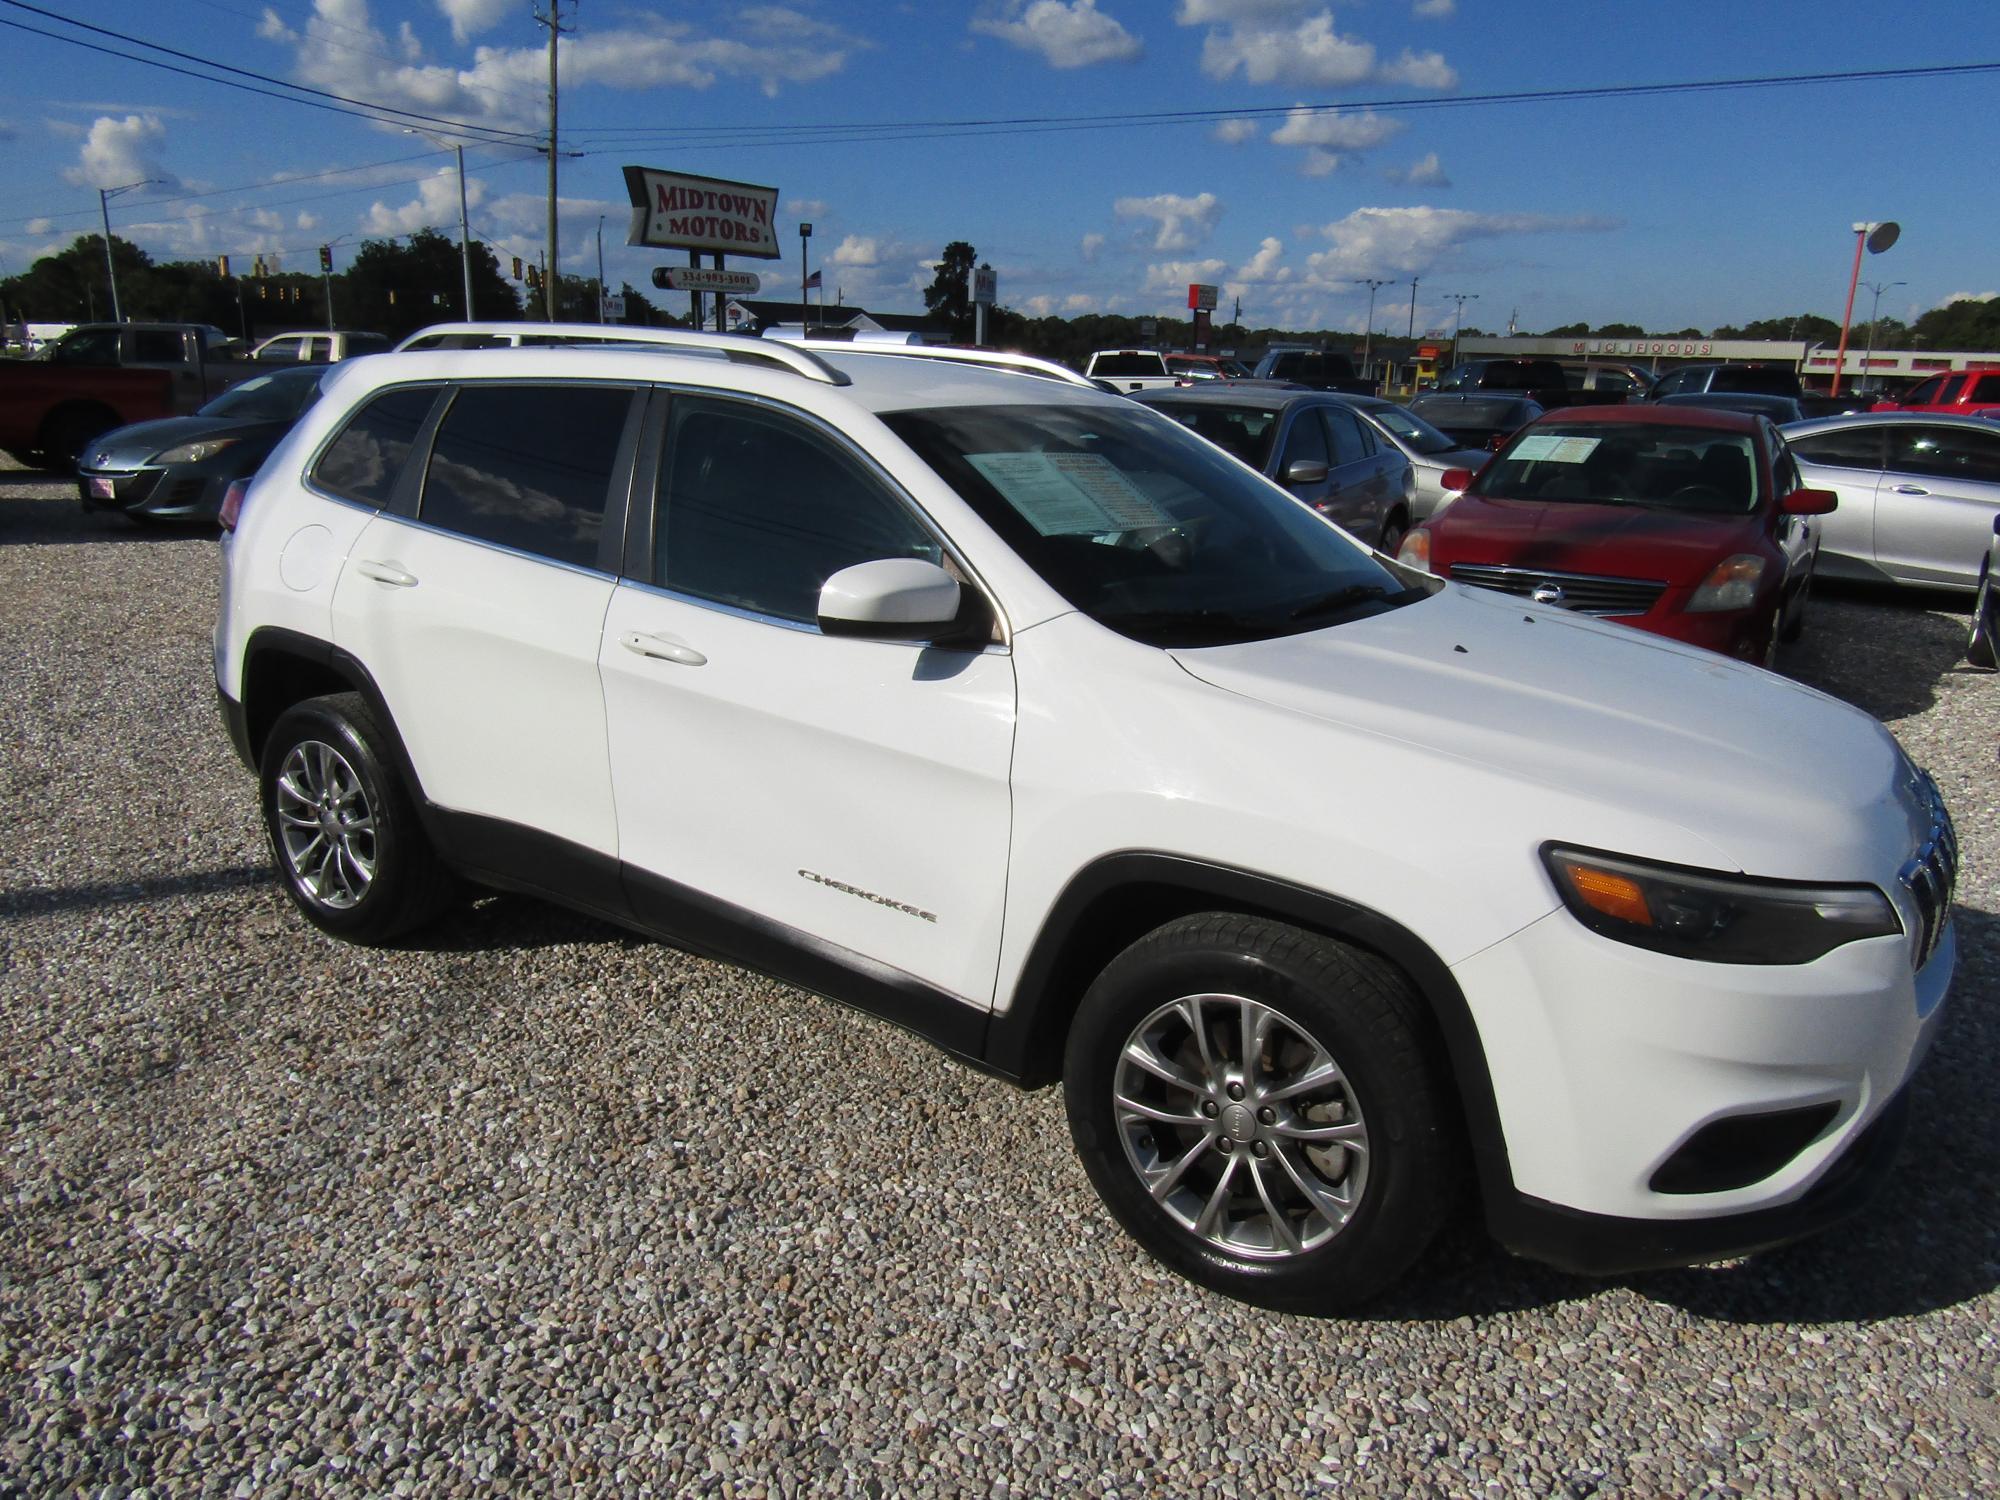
364, 462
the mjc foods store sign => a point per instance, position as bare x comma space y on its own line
671, 210
1643, 346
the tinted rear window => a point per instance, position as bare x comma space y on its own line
527, 467
1768, 379
363, 463
1129, 364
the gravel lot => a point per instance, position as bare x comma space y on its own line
537, 1207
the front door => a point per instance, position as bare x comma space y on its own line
832, 790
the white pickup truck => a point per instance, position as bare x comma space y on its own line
1131, 369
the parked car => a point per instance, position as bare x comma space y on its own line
1481, 421
1685, 521
1315, 368
1016, 713
1822, 404
1432, 454
1131, 369
1206, 367
1312, 443
1918, 494
324, 346
1543, 381
180, 468
1630, 380
104, 375
1959, 393
1769, 380
1982, 644
1778, 409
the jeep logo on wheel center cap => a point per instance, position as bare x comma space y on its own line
1239, 1122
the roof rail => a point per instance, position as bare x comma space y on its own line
1020, 364
743, 350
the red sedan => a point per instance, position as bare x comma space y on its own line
1688, 522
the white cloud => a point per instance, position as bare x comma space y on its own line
1334, 128
1435, 10
1425, 70
1320, 162
1263, 266
436, 204
470, 17
1067, 35
1092, 243
1236, 132
1277, 41
1954, 297
806, 208
1411, 240
856, 251
1184, 222
1424, 172
116, 152
1045, 305
40, 226
272, 28
308, 221
1179, 273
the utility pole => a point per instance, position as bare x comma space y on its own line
600, 268
464, 231
1374, 285
1411, 335
1458, 316
104, 197
552, 18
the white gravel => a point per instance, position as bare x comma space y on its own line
537, 1207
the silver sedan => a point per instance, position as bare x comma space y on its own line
1431, 454
1918, 494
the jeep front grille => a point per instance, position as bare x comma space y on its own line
1932, 871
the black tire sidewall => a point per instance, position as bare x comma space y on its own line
385, 908
1982, 643
1384, 1065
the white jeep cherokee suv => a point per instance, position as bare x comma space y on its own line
1016, 713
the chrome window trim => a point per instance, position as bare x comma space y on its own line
798, 627
501, 547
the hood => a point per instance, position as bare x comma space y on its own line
1756, 772
129, 447
1619, 540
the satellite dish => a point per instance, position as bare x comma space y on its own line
1882, 236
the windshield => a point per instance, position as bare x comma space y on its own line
1146, 528
1412, 432
1698, 469
277, 397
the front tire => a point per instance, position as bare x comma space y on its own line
1394, 529
1257, 1105
343, 829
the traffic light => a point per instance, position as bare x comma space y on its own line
325, 260
222, 266
517, 268
534, 279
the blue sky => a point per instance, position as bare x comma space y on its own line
1682, 210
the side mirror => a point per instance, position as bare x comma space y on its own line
890, 599
1808, 502
1305, 471
1456, 480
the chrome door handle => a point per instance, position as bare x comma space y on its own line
1911, 489
663, 648
384, 572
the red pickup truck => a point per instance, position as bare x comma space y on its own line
1961, 391
106, 375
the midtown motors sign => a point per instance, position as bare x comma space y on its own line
672, 211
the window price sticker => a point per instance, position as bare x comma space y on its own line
1067, 494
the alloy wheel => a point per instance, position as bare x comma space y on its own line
1241, 1126
326, 825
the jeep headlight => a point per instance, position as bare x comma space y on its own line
1713, 917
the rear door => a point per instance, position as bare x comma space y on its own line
1935, 505
836, 797
1364, 491
479, 614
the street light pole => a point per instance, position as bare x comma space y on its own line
104, 197
1458, 316
1368, 338
600, 267
1412, 332
1874, 308
1874, 237
464, 230
553, 20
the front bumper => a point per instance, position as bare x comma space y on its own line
1611, 1064
181, 494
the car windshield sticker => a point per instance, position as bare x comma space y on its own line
1064, 494
1546, 447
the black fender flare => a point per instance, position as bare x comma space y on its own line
1130, 893
338, 671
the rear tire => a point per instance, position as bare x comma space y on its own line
1258, 1106
343, 829
1394, 529
1982, 641
67, 433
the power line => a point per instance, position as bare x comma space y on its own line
861, 130
493, 134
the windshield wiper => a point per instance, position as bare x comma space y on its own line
1342, 600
